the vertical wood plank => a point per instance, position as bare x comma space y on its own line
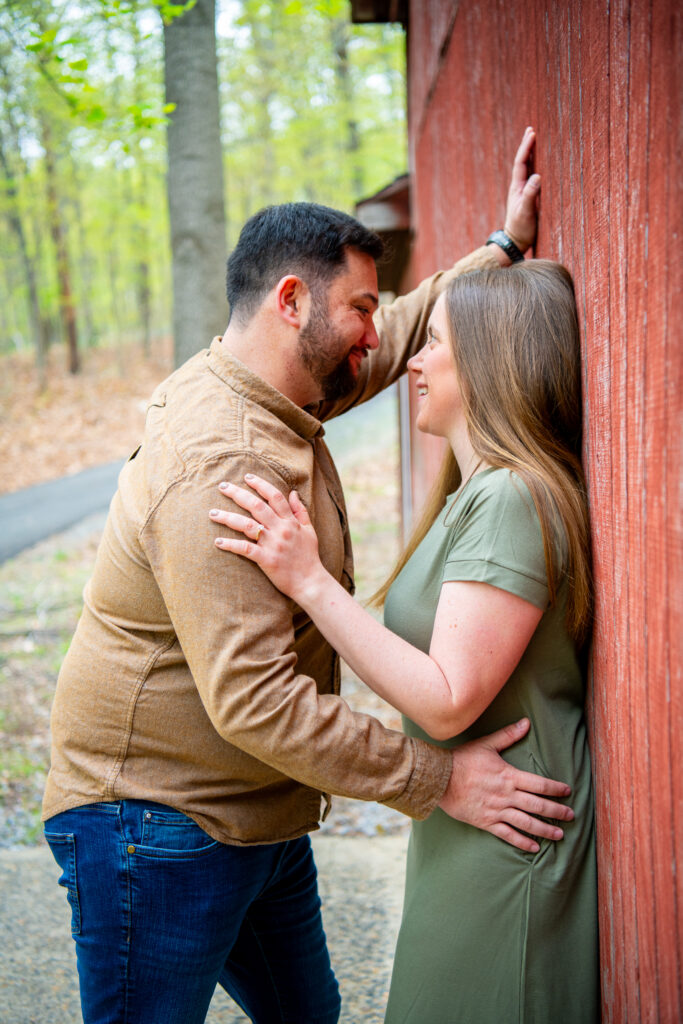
660, 522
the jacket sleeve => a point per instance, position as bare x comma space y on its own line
402, 330
237, 634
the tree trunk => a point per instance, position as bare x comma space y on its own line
141, 233
340, 35
83, 262
195, 180
35, 318
66, 306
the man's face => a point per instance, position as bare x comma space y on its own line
339, 329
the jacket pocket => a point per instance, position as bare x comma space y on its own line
63, 846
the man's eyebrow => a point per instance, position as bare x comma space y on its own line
370, 298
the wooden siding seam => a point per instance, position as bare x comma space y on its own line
443, 49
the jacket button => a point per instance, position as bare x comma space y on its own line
131, 849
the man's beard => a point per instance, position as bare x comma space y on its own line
335, 377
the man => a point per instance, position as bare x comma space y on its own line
197, 721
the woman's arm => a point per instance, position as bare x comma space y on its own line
480, 632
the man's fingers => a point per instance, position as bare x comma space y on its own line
527, 823
508, 835
519, 167
508, 735
538, 784
533, 804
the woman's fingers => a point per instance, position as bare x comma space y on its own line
239, 547
299, 509
249, 501
243, 524
271, 494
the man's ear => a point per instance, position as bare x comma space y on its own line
291, 295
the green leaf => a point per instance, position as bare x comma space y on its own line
96, 115
79, 65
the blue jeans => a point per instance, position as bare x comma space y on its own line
161, 913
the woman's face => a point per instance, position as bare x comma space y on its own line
439, 399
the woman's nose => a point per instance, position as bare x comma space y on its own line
415, 362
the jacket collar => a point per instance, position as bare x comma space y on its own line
245, 382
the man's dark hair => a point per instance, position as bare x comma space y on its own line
305, 239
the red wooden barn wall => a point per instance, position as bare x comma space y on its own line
600, 80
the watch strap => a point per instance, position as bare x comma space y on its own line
506, 244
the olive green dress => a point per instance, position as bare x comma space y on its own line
492, 935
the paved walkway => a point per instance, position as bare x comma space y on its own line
37, 512
361, 883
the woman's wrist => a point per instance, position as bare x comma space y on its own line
310, 592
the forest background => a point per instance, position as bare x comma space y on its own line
310, 107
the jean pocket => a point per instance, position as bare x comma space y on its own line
63, 846
168, 833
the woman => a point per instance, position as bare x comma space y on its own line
485, 619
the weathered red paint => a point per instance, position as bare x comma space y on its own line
600, 80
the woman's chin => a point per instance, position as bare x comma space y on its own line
423, 427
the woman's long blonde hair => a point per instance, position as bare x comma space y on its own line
515, 338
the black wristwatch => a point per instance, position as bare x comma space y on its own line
506, 244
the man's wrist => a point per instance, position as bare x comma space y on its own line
514, 237
506, 245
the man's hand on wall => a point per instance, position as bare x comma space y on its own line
521, 216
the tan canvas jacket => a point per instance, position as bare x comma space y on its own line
192, 681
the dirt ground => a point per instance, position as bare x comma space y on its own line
98, 417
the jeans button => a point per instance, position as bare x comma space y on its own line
131, 849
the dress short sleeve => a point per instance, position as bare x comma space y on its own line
495, 537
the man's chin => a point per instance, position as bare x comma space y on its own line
340, 382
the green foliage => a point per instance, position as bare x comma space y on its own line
312, 108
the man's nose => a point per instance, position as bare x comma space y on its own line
371, 338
